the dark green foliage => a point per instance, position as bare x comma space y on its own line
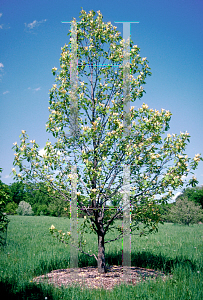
43, 201
38, 193
4, 198
193, 194
17, 192
40, 209
10, 208
56, 208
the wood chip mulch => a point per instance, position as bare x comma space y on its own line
88, 277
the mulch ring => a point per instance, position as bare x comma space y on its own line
88, 277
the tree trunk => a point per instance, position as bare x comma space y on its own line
101, 252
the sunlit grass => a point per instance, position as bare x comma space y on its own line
32, 251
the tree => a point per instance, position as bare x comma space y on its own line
17, 192
98, 146
185, 212
194, 194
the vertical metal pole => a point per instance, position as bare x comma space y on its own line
126, 169
73, 219
126, 259
74, 81
74, 132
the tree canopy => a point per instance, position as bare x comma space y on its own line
99, 145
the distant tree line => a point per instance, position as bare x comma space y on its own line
42, 201
187, 209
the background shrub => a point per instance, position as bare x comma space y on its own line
185, 212
24, 209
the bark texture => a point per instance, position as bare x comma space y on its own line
101, 252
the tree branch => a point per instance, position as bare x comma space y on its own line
82, 250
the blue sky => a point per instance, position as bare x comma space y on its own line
169, 34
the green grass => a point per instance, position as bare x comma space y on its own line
32, 251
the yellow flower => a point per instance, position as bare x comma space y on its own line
167, 114
23, 131
63, 91
168, 135
23, 147
15, 143
52, 227
13, 169
85, 217
68, 233
197, 157
144, 106
54, 69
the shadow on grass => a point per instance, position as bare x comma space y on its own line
11, 290
139, 259
148, 260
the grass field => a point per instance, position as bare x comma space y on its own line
32, 251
